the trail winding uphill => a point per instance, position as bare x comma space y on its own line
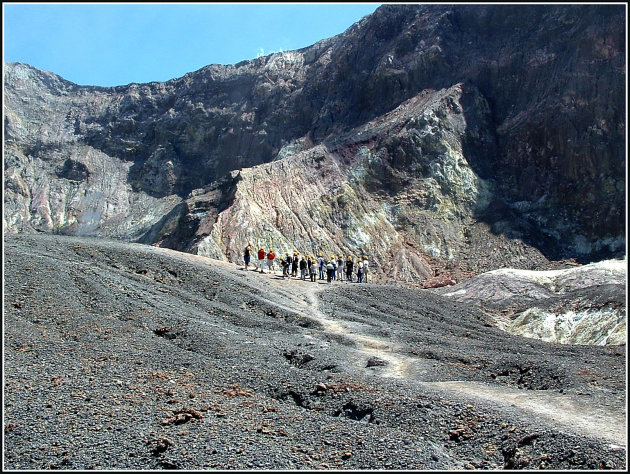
127, 356
575, 413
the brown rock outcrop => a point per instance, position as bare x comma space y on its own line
397, 190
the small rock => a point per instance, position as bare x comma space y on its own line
376, 361
162, 445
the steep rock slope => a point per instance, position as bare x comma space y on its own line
540, 134
397, 189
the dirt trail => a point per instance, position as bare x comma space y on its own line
381, 348
570, 412
306, 300
576, 414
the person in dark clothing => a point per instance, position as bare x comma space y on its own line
289, 261
329, 270
349, 268
322, 265
294, 264
247, 255
303, 267
285, 267
359, 271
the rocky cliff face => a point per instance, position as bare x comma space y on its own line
449, 139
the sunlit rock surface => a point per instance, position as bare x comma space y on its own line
397, 190
441, 141
582, 305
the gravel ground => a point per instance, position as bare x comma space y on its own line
121, 356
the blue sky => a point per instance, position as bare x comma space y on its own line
116, 43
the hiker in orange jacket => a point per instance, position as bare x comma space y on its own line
270, 261
261, 259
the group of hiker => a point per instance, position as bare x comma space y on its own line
334, 268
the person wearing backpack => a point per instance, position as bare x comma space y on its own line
261, 259
270, 261
329, 270
247, 255
334, 264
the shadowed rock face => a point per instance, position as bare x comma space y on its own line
432, 138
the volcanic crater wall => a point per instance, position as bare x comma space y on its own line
435, 138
